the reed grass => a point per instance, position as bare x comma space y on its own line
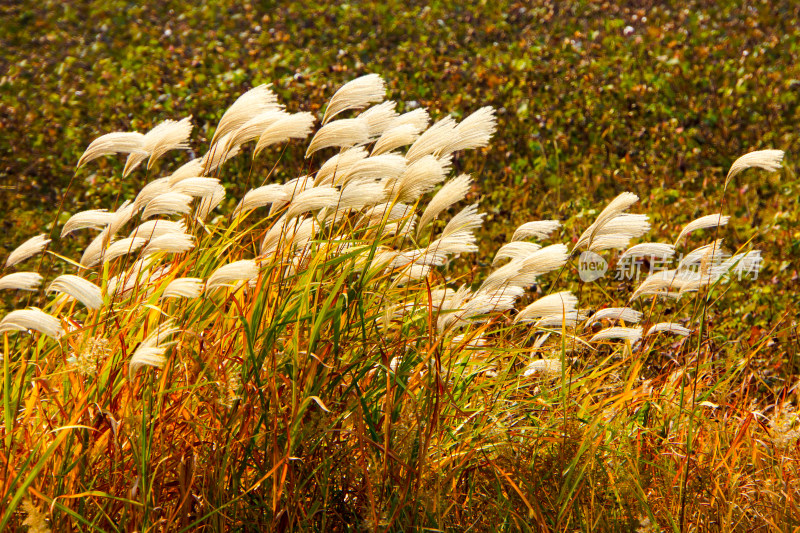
321, 358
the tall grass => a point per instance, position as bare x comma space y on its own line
326, 356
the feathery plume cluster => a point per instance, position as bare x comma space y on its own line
27, 249
118, 142
618, 333
296, 126
614, 314
81, 289
451, 193
183, 288
708, 221
32, 319
256, 101
94, 218
356, 94
543, 367
238, 271
358, 209
21, 281
343, 133
669, 327
169, 135
562, 302
769, 160
539, 229
152, 349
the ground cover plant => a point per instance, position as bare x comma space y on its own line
326, 356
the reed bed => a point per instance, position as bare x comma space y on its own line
328, 355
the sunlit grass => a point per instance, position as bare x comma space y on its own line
348, 370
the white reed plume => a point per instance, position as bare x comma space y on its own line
94, 252
295, 126
183, 288
458, 242
118, 142
485, 302
418, 118
452, 304
609, 242
618, 333
173, 243
94, 218
119, 218
253, 128
210, 202
123, 247
552, 304
196, 187
705, 256
524, 272
419, 177
135, 275
27, 249
341, 134
360, 193
169, 135
151, 229
395, 137
217, 155
260, 197
254, 102
475, 131
539, 229
392, 212
568, 319
433, 139
339, 165
664, 283
152, 349
150, 191
544, 367
629, 225
313, 200
81, 289
21, 281
451, 192
669, 327
387, 166
379, 118
649, 249
769, 160
743, 263
191, 169
243, 270
626, 314
708, 221
515, 250
302, 233
411, 273
468, 219
356, 94
31, 318
168, 203
612, 210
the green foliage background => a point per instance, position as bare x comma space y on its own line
593, 98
